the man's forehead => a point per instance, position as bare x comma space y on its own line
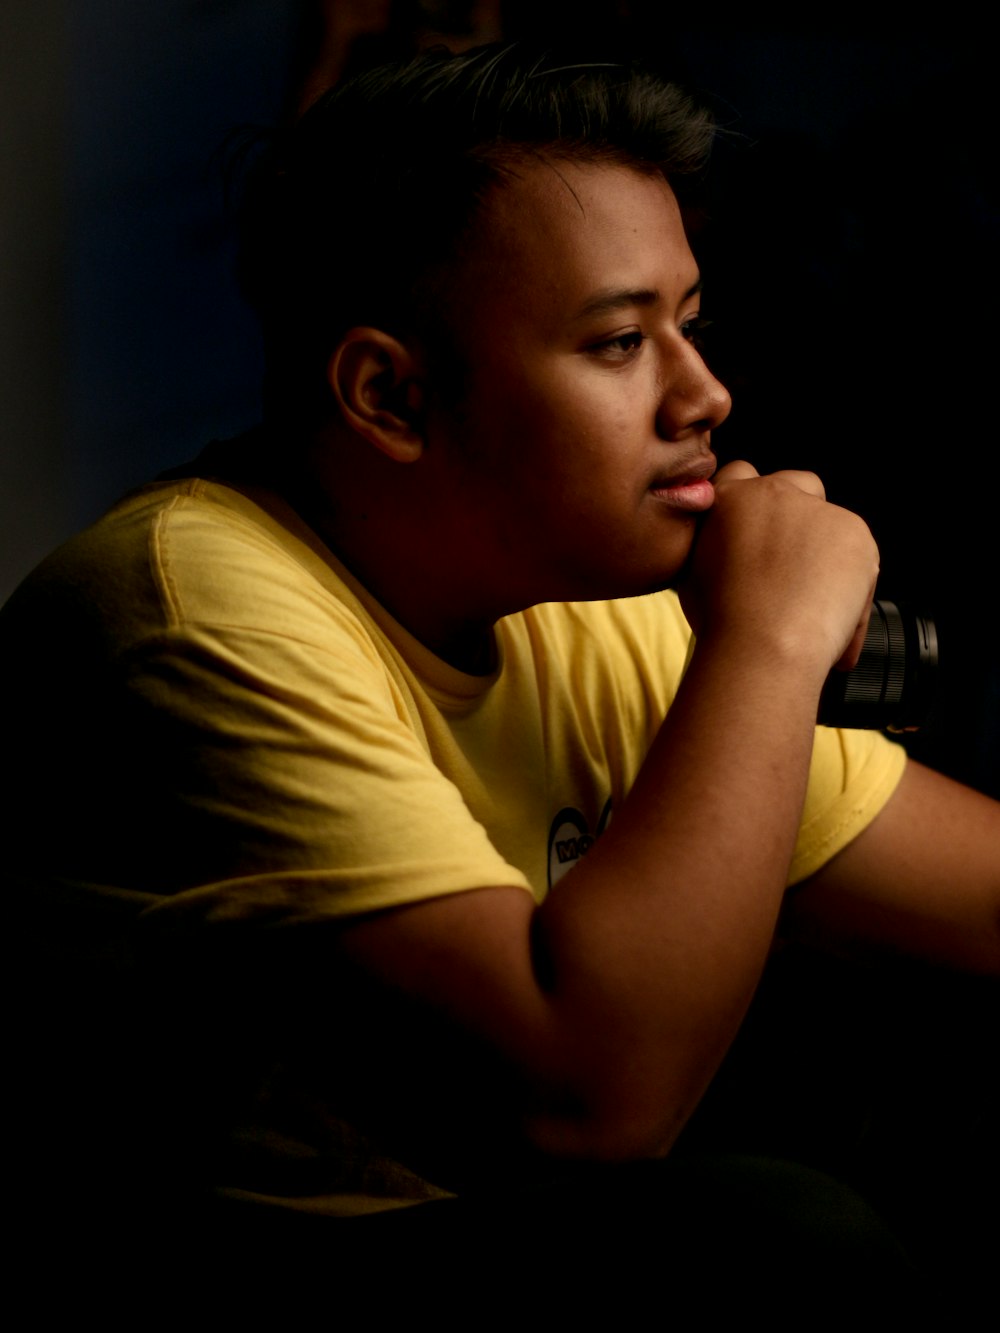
592, 227
547, 192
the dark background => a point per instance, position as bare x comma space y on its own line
848, 241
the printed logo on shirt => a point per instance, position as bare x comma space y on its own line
570, 838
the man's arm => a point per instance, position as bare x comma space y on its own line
923, 879
592, 1025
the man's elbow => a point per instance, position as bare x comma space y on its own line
617, 1123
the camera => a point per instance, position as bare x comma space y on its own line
892, 686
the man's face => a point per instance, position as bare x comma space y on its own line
578, 455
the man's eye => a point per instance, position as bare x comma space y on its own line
694, 330
625, 344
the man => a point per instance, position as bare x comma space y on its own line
323, 718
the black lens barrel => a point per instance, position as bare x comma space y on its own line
892, 685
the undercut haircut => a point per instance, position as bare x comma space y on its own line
356, 211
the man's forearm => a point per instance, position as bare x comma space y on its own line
655, 949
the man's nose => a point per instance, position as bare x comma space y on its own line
693, 400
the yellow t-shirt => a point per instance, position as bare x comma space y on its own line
254, 702
233, 732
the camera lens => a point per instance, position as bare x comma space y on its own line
893, 683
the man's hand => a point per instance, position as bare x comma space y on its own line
777, 564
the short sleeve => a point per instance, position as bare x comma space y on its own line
851, 777
269, 767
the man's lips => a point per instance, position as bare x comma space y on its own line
688, 486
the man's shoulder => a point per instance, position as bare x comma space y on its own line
182, 553
219, 555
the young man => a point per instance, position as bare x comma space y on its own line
338, 708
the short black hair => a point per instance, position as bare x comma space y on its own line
359, 204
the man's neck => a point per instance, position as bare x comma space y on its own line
406, 566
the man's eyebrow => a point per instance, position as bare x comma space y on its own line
619, 298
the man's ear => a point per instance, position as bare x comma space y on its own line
378, 383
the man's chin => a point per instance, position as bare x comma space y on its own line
641, 588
